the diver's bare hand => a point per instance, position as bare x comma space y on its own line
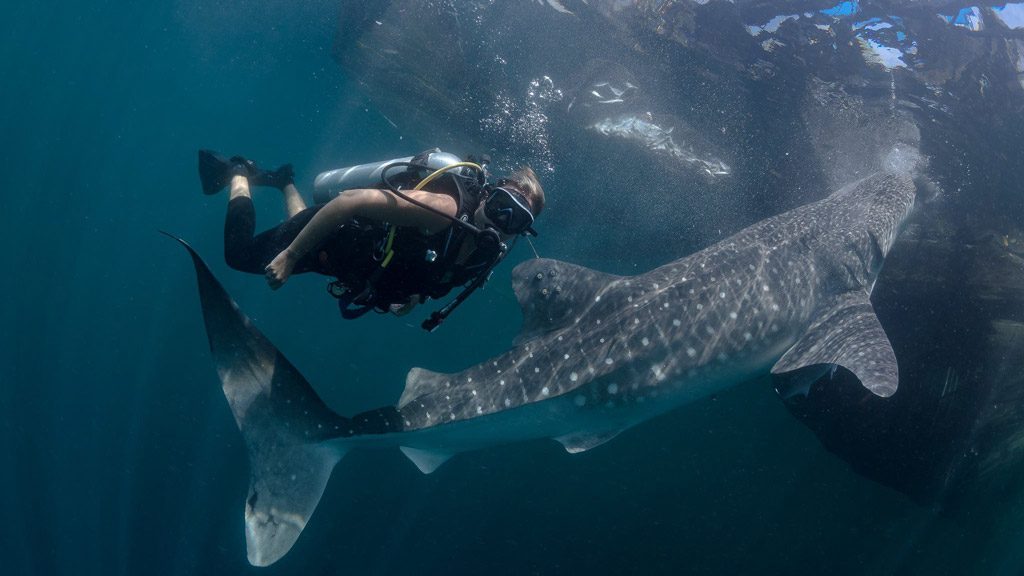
279, 269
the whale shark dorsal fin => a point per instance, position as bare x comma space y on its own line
420, 381
847, 333
553, 294
581, 442
426, 460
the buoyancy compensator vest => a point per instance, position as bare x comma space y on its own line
377, 264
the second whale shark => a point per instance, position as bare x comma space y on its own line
598, 353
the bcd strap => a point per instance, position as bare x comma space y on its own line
439, 316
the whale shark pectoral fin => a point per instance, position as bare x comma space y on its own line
576, 443
847, 334
553, 294
426, 460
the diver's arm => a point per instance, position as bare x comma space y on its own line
383, 206
379, 205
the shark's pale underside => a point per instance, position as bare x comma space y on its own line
597, 354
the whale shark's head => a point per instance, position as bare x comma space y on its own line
868, 216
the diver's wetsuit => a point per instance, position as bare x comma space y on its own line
349, 253
424, 266
248, 252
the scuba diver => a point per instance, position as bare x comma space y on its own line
392, 233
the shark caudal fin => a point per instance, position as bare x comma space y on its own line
847, 334
283, 421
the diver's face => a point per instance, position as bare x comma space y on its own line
509, 198
482, 221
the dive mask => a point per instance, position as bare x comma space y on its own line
509, 211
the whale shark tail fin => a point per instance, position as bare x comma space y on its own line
286, 426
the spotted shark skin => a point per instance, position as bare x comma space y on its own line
598, 353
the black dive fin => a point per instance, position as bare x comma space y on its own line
846, 334
284, 423
553, 294
214, 171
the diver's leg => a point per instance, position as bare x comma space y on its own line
239, 188
240, 228
284, 180
293, 200
247, 251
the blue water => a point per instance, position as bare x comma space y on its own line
120, 455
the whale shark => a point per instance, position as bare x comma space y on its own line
598, 353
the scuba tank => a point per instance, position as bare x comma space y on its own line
329, 184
